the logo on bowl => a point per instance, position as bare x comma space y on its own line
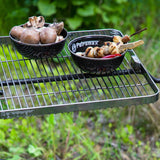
84, 43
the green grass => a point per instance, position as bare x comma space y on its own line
92, 135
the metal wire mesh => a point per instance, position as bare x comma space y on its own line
52, 85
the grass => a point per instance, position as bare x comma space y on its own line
92, 135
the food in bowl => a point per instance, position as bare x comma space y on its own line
35, 31
84, 51
110, 49
37, 39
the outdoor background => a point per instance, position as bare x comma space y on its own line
131, 132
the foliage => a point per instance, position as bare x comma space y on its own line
80, 15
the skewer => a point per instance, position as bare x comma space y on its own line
126, 38
138, 32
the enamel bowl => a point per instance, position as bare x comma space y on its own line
93, 65
35, 51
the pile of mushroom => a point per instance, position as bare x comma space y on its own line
35, 31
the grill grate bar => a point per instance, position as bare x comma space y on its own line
128, 84
108, 88
62, 83
69, 82
113, 87
42, 76
101, 88
53, 78
20, 67
30, 61
118, 85
124, 86
53, 90
13, 103
69, 91
62, 77
49, 82
33, 87
137, 79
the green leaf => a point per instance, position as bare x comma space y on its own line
121, 1
88, 10
16, 150
74, 22
105, 17
15, 157
107, 7
61, 4
36, 151
78, 3
114, 19
2, 136
130, 129
46, 8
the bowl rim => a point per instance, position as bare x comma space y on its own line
38, 45
88, 58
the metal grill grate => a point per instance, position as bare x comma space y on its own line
34, 87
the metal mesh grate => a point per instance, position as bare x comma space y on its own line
52, 85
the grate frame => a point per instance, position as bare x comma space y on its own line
55, 85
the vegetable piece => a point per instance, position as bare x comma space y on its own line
112, 55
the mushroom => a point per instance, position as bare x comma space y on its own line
59, 38
35, 22
105, 50
89, 52
16, 32
98, 52
58, 27
80, 53
30, 36
48, 35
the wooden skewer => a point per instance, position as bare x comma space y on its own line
138, 32
126, 38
